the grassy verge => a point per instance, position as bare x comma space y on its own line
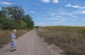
70, 39
4, 36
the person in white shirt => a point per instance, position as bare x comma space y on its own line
13, 41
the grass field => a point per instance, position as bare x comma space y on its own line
69, 38
4, 36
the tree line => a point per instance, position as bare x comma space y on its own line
14, 17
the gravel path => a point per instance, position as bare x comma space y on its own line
28, 44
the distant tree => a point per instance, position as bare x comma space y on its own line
14, 18
29, 21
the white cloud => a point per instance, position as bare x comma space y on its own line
48, 1
45, 1
83, 12
6, 3
74, 6
53, 18
32, 12
73, 13
0, 8
58, 16
80, 11
60, 19
68, 5
52, 13
74, 16
55, 1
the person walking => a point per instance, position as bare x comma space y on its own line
13, 41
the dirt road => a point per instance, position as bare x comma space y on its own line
28, 44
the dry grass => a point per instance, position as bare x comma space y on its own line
70, 39
4, 36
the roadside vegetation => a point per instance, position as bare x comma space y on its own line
5, 36
69, 38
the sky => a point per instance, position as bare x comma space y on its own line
52, 12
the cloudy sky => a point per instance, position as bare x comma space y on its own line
52, 12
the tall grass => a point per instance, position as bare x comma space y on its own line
70, 39
4, 36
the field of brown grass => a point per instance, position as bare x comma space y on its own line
69, 38
4, 36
